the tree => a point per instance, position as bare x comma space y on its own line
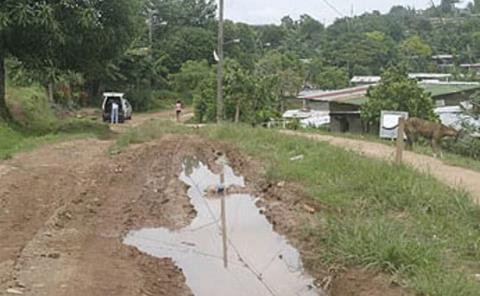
183, 13
89, 51
66, 35
270, 36
184, 30
303, 37
137, 72
197, 80
288, 70
326, 77
448, 6
368, 51
190, 77
240, 44
416, 52
239, 90
397, 92
189, 43
22, 26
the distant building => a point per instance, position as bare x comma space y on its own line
308, 118
471, 67
443, 61
369, 80
365, 80
450, 93
455, 117
344, 105
431, 76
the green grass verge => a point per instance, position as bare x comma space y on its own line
36, 123
393, 218
14, 140
447, 157
148, 131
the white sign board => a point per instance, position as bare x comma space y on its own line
389, 123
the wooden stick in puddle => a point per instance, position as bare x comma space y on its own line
223, 162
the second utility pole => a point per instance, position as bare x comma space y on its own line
220, 65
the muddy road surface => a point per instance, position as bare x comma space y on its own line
66, 209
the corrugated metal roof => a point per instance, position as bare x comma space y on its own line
341, 96
365, 79
357, 95
442, 56
470, 65
441, 89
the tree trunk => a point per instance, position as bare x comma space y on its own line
237, 112
50, 92
4, 112
93, 89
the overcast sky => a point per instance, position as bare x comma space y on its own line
271, 11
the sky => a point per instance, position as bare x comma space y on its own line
271, 11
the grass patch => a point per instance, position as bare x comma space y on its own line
36, 123
393, 218
150, 130
422, 148
14, 141
31, 110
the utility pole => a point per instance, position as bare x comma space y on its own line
220, 64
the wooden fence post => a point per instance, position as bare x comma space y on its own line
400, 140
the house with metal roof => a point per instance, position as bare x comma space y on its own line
442, 61
471, 67
369, 80
344, 105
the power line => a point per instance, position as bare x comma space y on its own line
334, 8
242, 259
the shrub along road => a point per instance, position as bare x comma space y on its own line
454, 176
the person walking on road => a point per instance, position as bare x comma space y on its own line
114, 114
178, 109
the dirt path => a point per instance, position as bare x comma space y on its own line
65, 208
454, 176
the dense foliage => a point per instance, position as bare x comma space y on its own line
53, 36
159, 50
397, 92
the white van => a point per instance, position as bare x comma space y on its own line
125, 109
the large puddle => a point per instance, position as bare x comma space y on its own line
260, 261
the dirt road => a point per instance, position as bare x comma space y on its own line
454, 176
65, 208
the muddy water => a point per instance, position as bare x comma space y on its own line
261, 262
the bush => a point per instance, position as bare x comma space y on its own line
147, 100
294, 124
468, 146
35, 116
31, 109
76, 126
